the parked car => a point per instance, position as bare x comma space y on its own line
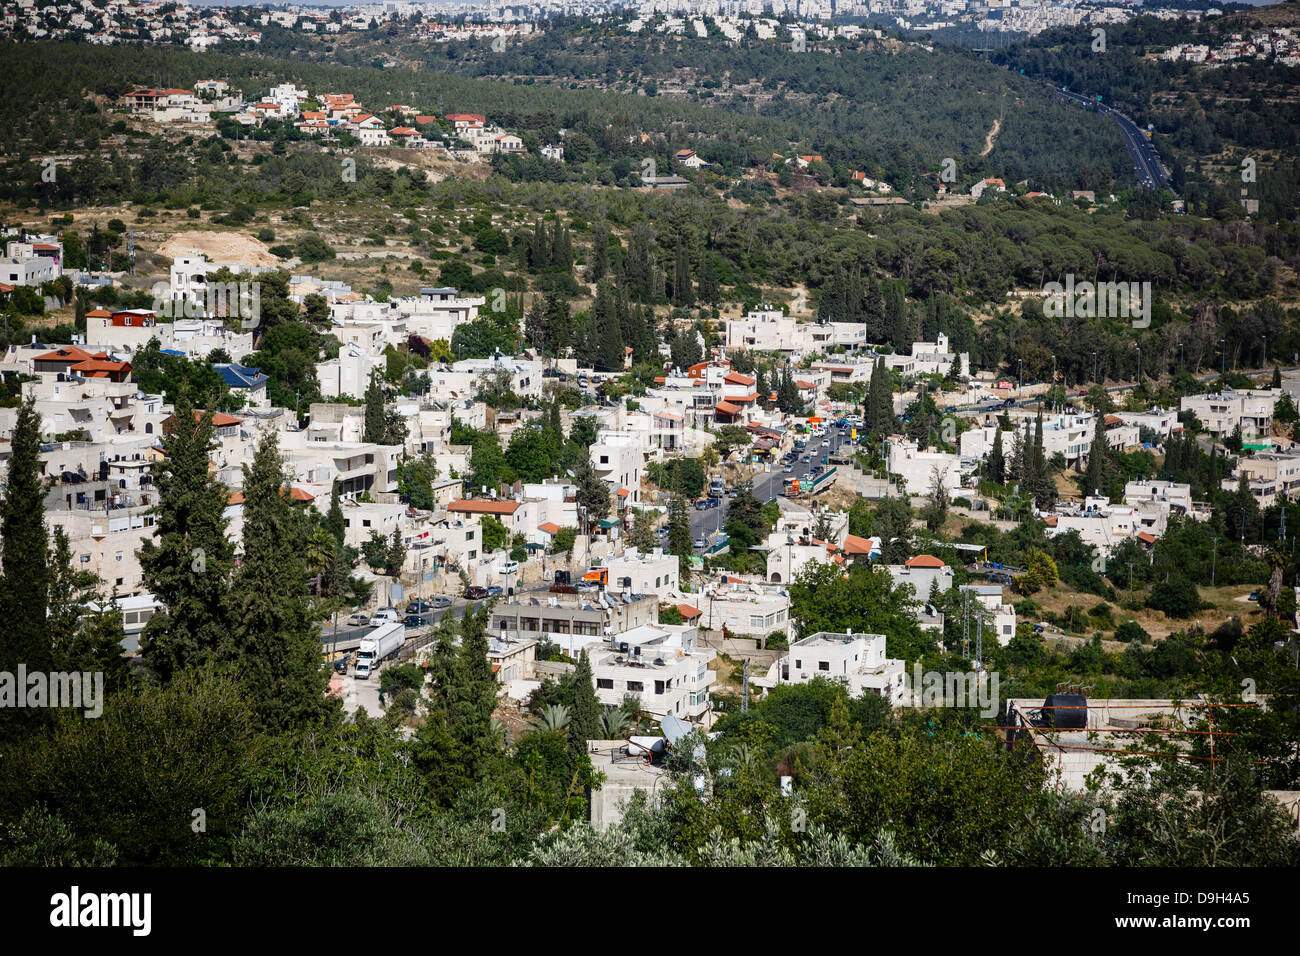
441, 602
415, 620
418, 606
788, 468
495, 590
701, 543
826, 443
358, 620
385, 615
476, 593
1254, 596
510, 567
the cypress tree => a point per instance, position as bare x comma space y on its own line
1094, 476
24, 544
473, 696
334, 520
997, 464
607, 336
376, 423
25, 581
275, 645
188, 567
70, 593
584, 718
708, 284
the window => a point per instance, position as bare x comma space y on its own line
473, 554
755, 620
635, 686
604, 683
469, 535
798, 663
659, 687
823, 665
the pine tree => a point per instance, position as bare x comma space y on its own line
593, 492
275, 646
187, 566
376, 422
24, 550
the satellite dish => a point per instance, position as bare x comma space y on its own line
674, 728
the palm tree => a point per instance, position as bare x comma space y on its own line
319, 555
554, 717
613, 723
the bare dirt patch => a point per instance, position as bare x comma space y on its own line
219, 247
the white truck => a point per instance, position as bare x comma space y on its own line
377, 646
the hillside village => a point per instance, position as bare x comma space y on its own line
584, 561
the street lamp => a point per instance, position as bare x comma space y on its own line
1180, 356
1223, 358
1139, 378
1094, 367
1265, 338
1020, 378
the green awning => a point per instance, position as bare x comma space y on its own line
607, 523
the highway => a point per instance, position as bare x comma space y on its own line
767, 485
1150, 171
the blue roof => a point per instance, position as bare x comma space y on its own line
238, 376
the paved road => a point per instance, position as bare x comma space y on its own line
767, 484
1151, 173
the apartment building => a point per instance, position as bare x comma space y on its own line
1104, 525
1221, 414
856, 660
573, 620
652, 573
661, 668
1269, 475
918, 468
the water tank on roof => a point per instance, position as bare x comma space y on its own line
1067, 711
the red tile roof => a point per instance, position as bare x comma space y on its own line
550, 527
735, 378
856, 545
924, 561
476, 506
689, 612
727, 408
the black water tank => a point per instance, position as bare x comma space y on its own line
1068, 711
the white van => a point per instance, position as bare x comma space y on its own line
385, 615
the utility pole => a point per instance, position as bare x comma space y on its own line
744, 690
965, 638
1214, 558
